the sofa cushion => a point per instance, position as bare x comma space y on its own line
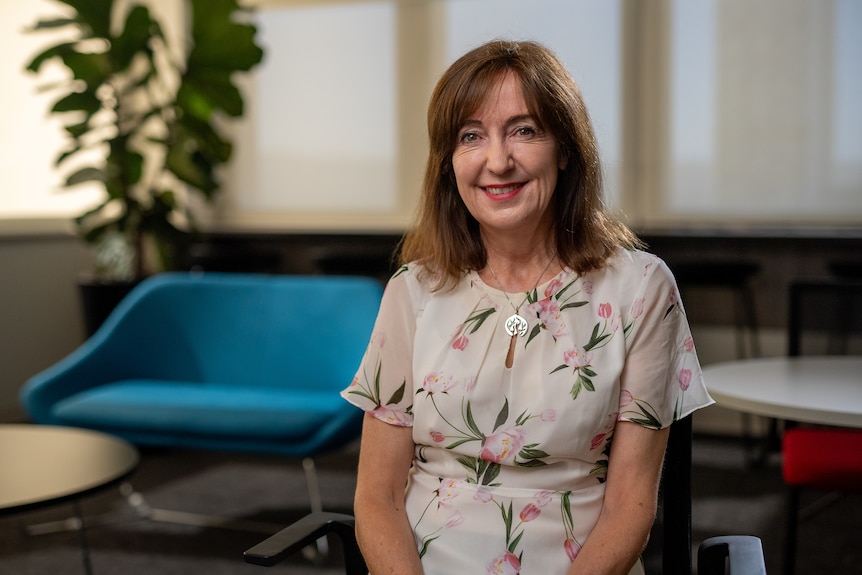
201, 409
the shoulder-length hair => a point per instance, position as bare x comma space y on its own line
445, 237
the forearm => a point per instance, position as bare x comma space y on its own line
382, 528
615, 544
386, 539
629, 508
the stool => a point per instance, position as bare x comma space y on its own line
735, 277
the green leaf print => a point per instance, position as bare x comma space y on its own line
471, 423
425, 545
398, 395
478, 318
502, 416
573, 304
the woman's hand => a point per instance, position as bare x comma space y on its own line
631, 499
382, 529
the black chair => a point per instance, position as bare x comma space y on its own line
825, 318
671, 534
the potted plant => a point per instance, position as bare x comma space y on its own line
142, 122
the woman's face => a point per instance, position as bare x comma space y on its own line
505, 165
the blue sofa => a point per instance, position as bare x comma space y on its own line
222, 361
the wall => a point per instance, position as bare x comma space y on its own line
40, 318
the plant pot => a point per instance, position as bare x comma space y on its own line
98, 300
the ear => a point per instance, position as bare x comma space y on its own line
564, 161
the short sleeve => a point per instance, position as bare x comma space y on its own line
383, 383
661, 381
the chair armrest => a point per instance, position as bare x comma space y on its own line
306, 531
742, 553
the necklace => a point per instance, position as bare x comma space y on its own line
516, 323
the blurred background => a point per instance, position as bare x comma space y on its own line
728, 128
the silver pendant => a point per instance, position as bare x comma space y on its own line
516, 325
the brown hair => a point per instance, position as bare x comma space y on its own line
445, 237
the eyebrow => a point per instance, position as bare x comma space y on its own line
512, 120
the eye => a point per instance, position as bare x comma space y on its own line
526, 131
468, 137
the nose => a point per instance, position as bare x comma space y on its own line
499, 158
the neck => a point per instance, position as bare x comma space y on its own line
520, 272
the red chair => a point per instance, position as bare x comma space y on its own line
823, 316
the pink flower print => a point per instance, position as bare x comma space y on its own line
553, 287
378, 339
577, 357
504, 564
646, 268
548, 312
456, 519
572, 548
684, 378
637, 308
483, 494
597, 441
438, 437
470, 383
688, 344
391, 416
616, 321
588, 287
549, 415
625, 398
604, 310
529, 512
673, 296
542, 498
447, 492
503, 446
437, 382
460, 343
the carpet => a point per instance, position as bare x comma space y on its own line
728, 497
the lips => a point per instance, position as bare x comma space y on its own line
503, 189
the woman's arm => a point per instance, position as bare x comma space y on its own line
382, 529
629, 509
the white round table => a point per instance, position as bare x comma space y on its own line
810, 389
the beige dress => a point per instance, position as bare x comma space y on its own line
510, 463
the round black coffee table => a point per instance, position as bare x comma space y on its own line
43, 465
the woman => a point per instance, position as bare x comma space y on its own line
524, 333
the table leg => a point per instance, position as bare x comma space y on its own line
82, 536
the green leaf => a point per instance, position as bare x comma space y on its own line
514, 544
573, 304
86, 102
95, 14
471, 423
84, 175
425, 545
398, 395
503, 415
491, 474
134, 38
558, 368
54, 51
532, 454
535, 331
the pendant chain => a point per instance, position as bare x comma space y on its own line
517, 324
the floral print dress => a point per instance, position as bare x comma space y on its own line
510, 462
